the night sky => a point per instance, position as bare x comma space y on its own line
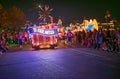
68, 9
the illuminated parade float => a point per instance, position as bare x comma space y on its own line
45, 35
90, 25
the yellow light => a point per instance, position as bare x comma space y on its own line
44, 46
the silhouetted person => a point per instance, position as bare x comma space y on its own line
107, 16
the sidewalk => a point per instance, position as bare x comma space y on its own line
17, 48
29, 47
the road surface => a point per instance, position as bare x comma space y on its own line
60, 63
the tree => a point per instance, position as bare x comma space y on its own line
117, 24
16, 18
12, 19
5, 19
1, 15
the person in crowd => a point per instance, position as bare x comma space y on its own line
119, 43
89, 42
12, 42
69, 35
3, 48
26, 37
64, 38
20, 39
16, 35
110, 46
78, 38
105, 46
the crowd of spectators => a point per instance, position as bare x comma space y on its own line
102, 39
8, 40
106, 40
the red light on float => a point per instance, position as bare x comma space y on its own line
46, 27
52, 25
34, 40
41, 39
47, 39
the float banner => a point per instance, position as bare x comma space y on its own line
44, 31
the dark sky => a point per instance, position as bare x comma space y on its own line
68, 9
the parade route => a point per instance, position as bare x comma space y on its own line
62, 63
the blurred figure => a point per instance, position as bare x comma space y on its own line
69, 35
20, 39
105, 46
119, 43
3, 48
26, 37
107, 16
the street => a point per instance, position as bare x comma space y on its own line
67, 63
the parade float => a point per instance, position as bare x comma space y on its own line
86, 25
44, 35
91, 25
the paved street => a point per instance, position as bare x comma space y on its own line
60, 63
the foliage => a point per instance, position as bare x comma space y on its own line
1, 15
16, 18
11, 19
117, 24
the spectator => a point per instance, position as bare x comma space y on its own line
20, 40
3, 48
69, 35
